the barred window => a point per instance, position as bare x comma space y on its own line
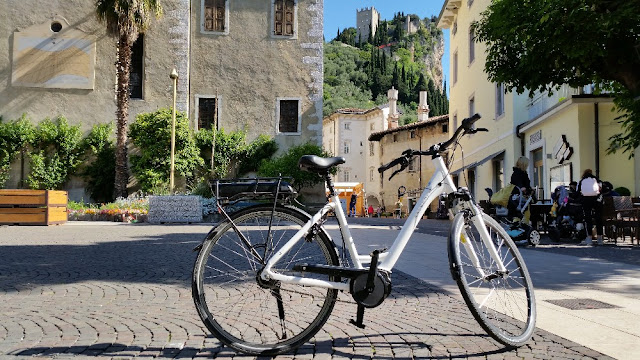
214, 15
283, 17
207, 113
289, 119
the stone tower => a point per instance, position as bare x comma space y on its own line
366, 18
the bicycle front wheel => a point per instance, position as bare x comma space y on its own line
502, 302
249, 314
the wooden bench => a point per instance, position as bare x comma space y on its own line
33, 207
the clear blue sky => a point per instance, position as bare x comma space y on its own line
341, 14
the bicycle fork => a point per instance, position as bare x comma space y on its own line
485, 237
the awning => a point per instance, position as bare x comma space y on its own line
478, 163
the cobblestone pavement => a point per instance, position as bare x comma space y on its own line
623, 251
123, 291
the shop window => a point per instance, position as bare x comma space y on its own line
498, 172
538, 168
471, 181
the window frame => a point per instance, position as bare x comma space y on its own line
455, 67
346, 147
472, 45
499, 100
472, 104
299, 126
141, 37
203, 28
273, 21
371, 149
197, 109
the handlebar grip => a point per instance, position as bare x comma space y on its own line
468, 122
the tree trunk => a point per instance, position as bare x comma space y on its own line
123, 68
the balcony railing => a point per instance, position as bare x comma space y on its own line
542, 102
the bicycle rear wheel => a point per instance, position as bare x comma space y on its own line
247, 313
503, 303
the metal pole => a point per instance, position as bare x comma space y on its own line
174, 77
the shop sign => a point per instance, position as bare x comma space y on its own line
562, 151
535, 137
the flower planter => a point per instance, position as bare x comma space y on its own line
33, 207
175, 209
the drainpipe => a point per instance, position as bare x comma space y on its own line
596, 117
521, 137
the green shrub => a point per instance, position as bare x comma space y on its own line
287, 165
150, 133
233, 156
15, 137
623, 191
57, 150
100, 169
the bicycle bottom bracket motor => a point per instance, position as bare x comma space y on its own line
374, 296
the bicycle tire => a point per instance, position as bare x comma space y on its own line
246, 315
506, 309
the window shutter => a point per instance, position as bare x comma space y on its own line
214, 15
283, 17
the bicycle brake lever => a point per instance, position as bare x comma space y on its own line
395, 173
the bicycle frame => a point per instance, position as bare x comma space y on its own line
439, 183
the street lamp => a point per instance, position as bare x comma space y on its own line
174, 77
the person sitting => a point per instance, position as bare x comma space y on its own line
607, 189
522, 185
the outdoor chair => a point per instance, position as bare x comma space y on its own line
626, 218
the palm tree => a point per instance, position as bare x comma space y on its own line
125, 20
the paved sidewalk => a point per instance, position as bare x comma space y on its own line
123, 291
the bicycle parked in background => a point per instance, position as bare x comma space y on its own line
267, 277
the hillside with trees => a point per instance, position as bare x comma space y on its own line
358, 72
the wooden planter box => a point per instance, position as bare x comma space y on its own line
33, 207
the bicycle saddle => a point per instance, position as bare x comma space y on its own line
317, 164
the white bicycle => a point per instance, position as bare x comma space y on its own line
266, 278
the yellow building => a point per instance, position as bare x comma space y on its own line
537, 127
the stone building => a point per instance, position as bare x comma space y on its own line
366, 22
370, 138
393, 141
255, 64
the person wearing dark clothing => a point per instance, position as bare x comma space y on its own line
352, 205
519, 178
607, 189
574, 195
589, 188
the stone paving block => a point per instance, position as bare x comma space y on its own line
130, 297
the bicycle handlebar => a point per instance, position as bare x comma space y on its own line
465, 128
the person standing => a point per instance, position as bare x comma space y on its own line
399, 209
590, 189
352, 204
